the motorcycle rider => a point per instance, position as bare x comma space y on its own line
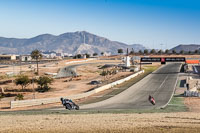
151, 99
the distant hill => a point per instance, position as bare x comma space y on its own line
189, 47
71, 43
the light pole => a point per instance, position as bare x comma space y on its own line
33, 82
161, 49
20, 59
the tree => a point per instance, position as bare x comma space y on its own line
77, 56
146, 51
182, 52
140, 52
160, 51
196, 51
43, 83
120, 51
173, 51
95, 54
87, 55
189, 52
102, 53
153, 51
22, 80
166, 51
36, 54
132, 52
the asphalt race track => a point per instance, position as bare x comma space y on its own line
160, 84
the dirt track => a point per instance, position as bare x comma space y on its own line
156, 122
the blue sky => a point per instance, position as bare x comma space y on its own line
147, 22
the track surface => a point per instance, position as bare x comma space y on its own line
160, 84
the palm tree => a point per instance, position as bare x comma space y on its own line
36, 54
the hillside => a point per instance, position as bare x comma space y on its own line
189, 47
71, 43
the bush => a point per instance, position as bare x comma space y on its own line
43, 89
19, 97
1, 96
43, 83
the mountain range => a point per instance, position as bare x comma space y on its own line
79, 42
188, 47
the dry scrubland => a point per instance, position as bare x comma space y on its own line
131, 122
151, 123
63, 86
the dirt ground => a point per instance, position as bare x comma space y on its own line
151, 123
64, 86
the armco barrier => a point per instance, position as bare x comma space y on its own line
33, 102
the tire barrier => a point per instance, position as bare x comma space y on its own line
34, 102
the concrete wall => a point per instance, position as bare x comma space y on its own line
25, 103
70, 62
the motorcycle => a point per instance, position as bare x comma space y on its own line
69, 104
152, 100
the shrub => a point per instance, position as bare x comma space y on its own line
1, 96
43, 83
19, 97
22, 80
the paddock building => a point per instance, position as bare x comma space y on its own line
7, 57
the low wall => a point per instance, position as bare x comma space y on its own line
33, 102
80, 61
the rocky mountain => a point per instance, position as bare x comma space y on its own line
189, 47
71, 43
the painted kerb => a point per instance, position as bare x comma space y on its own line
33, 102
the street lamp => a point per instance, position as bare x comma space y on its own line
33, 81
161, 49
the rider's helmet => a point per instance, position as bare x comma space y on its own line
61, 99
150, 97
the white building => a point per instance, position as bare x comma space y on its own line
7, 57
26, 58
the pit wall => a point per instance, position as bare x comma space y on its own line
33, 102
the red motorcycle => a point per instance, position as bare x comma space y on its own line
152, 100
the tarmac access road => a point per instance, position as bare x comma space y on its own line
160, 84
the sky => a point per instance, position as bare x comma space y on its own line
153, 23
